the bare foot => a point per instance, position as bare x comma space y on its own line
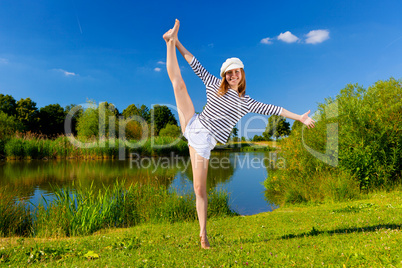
172, 33
204, 243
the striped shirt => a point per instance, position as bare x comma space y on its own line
221, 113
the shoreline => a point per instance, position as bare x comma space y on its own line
350, 233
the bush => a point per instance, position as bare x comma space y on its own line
356, 145
170, 131
258, 138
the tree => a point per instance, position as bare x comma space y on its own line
51, 119
95, 121
142, 112
74, 119
258, 138
8, 105
88, 122
170, 131
27, 114
234, 134
9, 125
276, 127
160, 117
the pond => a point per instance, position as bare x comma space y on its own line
241, 174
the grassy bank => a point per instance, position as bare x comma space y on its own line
246, 147
364, 233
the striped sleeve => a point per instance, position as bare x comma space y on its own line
262, 108
208, 79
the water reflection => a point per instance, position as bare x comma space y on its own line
233, 172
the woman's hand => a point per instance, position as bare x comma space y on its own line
307, 120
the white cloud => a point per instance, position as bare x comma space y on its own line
288, 37
3, 61
66, 73
267, 41
317, 36
161, 62
157, 69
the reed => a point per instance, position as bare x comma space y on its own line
30, 146
83, 211
15, 217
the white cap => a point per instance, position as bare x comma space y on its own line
230, 64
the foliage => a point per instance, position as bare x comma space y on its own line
161, 115
9, 126
98, 121
356, 145
259, 138
8, 105
276, 127
51, 120
142, 112
234, 134
131, 129
76, 112
27, 113
170, 131
297, 125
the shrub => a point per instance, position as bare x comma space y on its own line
356, 145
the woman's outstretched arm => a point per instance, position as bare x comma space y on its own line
184, 52
302, 118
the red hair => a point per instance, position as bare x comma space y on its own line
224, 87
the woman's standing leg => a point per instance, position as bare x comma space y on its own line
200, 171
186, 110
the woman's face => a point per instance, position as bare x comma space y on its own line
233, 77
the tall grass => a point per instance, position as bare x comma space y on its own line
357, 143
84, 210
32, 146
15, 217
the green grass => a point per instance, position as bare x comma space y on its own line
245, 147
363, 233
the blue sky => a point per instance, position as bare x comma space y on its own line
296, 53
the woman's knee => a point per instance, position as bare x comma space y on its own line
200, 191
179, 85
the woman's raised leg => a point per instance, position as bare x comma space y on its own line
186, 110
184, 104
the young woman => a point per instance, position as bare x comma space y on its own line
226, 104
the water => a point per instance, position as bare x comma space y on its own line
240, 174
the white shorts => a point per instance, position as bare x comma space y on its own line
199, 137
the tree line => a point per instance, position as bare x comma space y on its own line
106, 120
86, 122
